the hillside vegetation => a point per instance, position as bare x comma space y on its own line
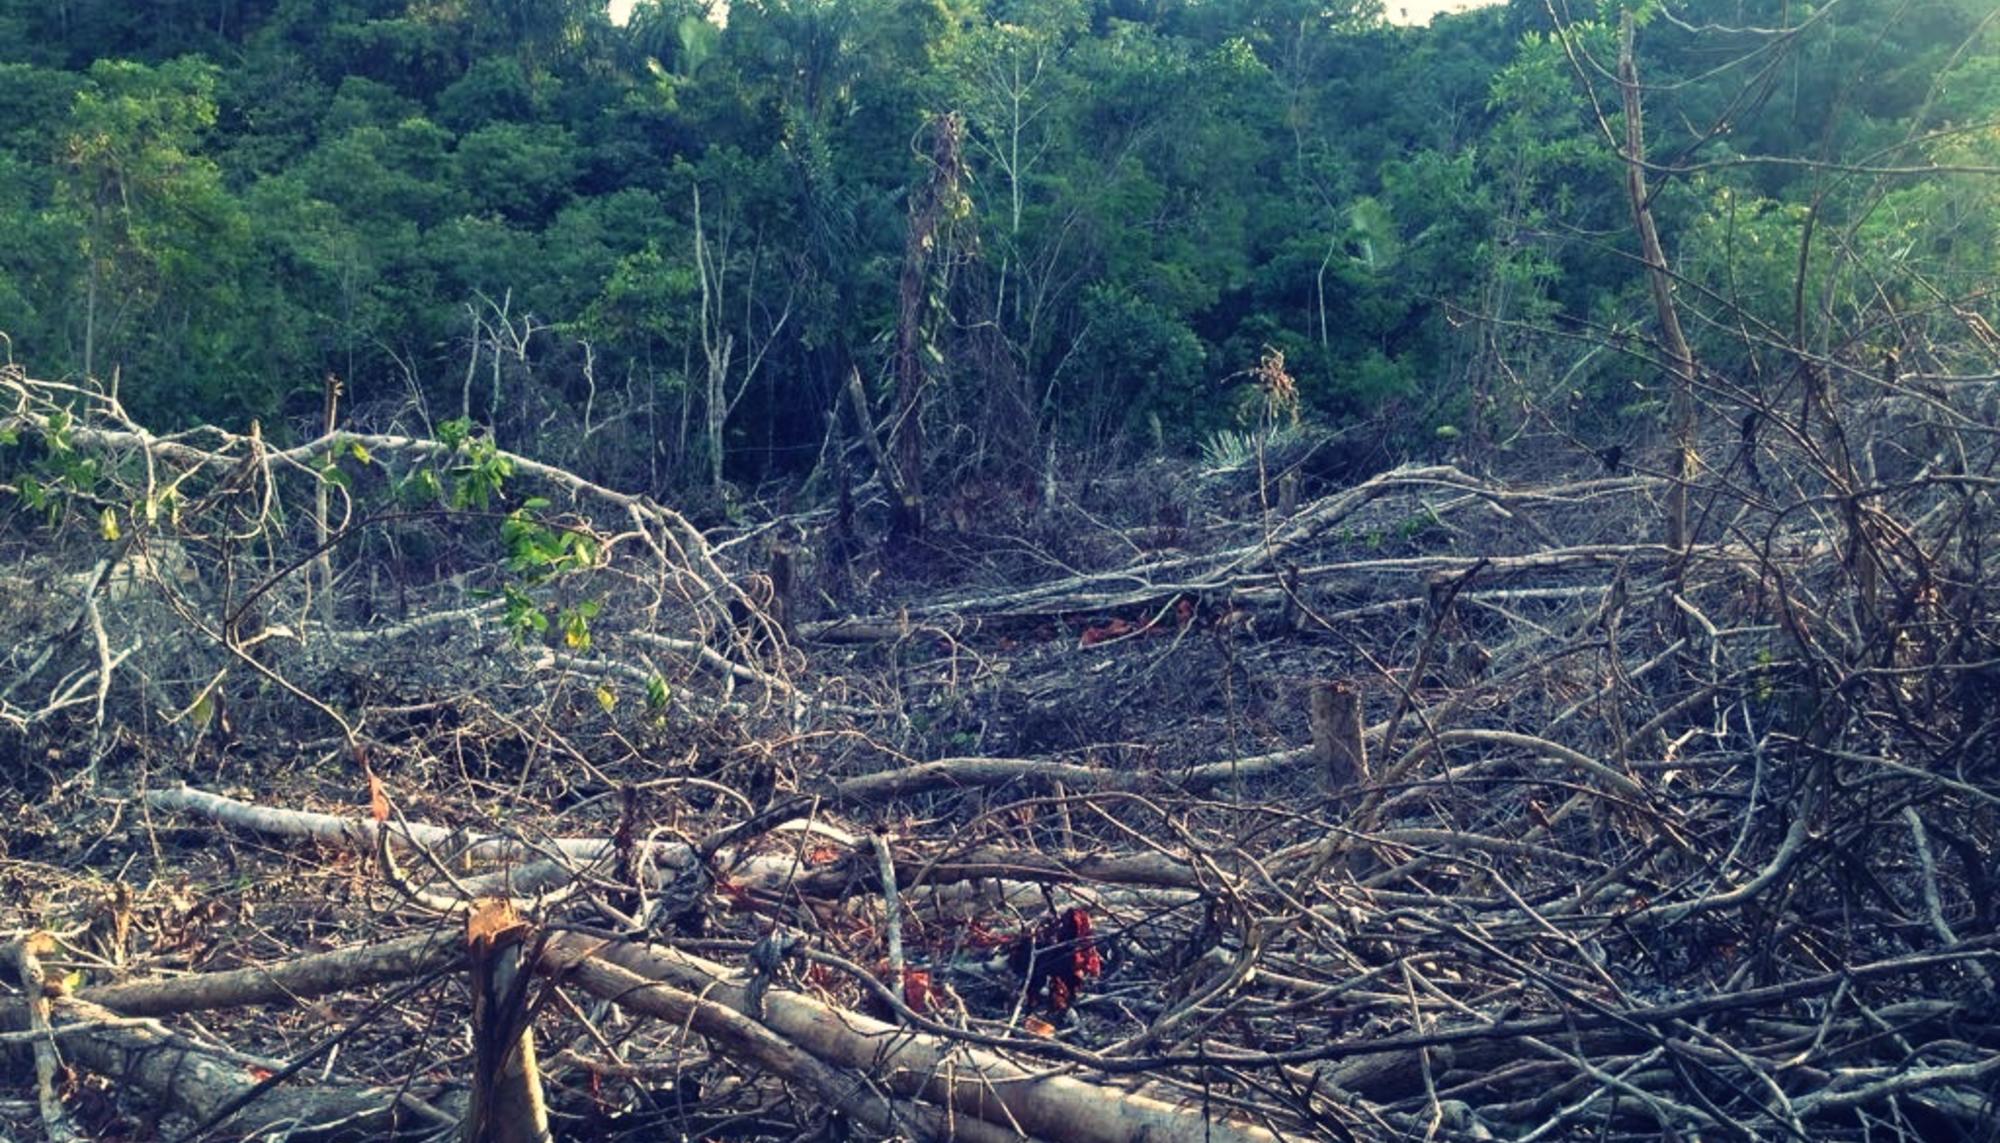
1063, 570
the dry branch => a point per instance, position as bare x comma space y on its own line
1704, 845
201, 1085
356, 966
25, 957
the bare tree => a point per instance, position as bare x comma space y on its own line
730, 364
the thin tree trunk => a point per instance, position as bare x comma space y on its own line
1680, 359
717, 347
930, 213
323, 563
90, 302
857, 399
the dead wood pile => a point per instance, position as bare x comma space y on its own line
1436, 806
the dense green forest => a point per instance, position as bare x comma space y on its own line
655, 251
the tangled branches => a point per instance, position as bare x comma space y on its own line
1631, 840
248, 582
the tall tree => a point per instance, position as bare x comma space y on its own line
158, 229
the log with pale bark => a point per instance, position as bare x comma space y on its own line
968, 1080
219, 1091
506, 1105
747, 1041
337, 970
1013, 876
986, 1087
798, 1038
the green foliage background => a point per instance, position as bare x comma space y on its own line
221, 203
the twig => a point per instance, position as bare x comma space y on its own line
25, 956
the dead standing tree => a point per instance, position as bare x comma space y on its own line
936, 207
717, 269
1659, 280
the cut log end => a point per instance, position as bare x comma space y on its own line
1335, 711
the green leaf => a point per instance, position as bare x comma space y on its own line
455, 432
59, 422
576, 633
523, 617
330, 472
420, 487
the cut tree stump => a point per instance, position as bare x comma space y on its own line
507, 1102
1337, 735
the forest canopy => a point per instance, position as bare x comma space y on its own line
688, 228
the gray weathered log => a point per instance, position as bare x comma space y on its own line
200, 1085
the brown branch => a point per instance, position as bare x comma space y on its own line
357, 966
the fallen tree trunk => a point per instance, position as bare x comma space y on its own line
972, 1081
203, 1086
946, 774
733, 1034
363, 834
801, 1039
1019, 875
1244, 572
746, 1041
355, 967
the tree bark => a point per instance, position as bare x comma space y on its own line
506, 1104
25, 957
205, 1087
931, 212
309, 976
743, 1039
973, 1081
1337, 735
1680, 358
